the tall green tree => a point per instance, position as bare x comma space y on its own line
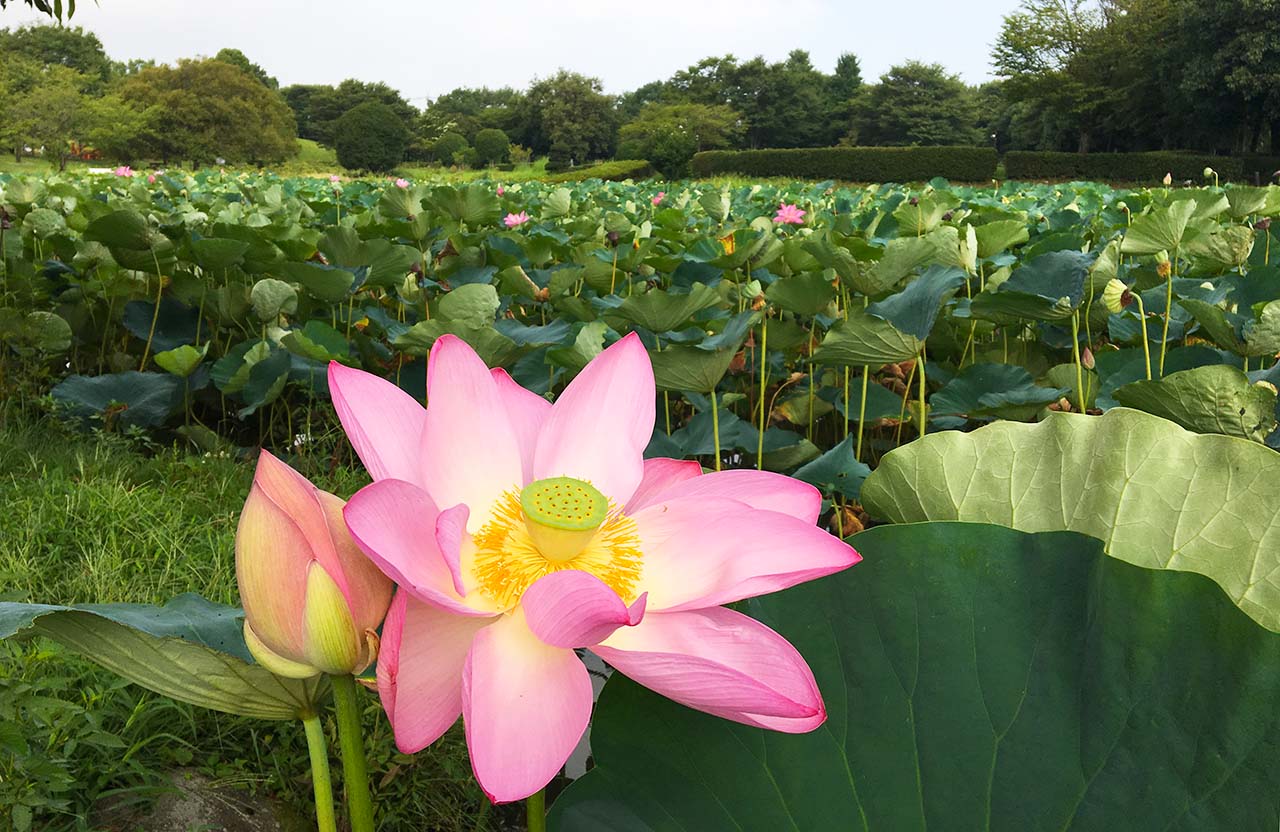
237, 58
568, 117
318, 107
70, 47
210, 109
669, 134
918, 104
53, 112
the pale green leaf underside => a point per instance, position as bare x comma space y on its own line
1156, 495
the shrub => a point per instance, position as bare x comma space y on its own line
370, 137
492, 146
854, 164
520, 155
614, 171
446, 146
1145, 168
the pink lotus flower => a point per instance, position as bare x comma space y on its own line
335, 178
501, 190
151, 179
124, 170
312, 601
661, 195
515, 220
520, 530
789, 215
402, 183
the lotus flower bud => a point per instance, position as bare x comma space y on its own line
1086, 359
1122, 206
410, 291
313, 602
1116, 296
1163, 267
1168, 179
1209, 173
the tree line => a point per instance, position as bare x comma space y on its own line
1079, 75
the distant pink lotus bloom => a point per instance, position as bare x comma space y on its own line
657, 200
402, 183
124, 170
335, 178
515, 220
789, 215
501, 190
520, 531
151, 179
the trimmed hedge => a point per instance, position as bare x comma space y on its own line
1260, 169
854, 164
614, 171
1145, 168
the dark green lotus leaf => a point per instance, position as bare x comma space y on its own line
317, 341
865, 341
219, 253
1049, 287
995, 237
34, 333
1160, 230
975, 677
836, 471
994, 390
265, 382
914, 309
660, 311
474, 204
807, 293
586, 345
174, 326
190, 649
1157, 495
329, 284
127, 399
1213, 399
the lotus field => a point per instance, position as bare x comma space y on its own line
883, 508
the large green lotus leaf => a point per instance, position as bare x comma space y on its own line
1215, 323
182, 361
926, 215
174, 324
660, 311
342, 246
1155, 494
388, 263
330, 284
1222, 249
317, 341
1002, 390
133, 242
1213, 399
901, 257
144, 400
34, 332
807, 293
975, 678
1245, 201
916, 307
475, 204
190, 649
837, 471
271, 298
473, 305
218, 253
1160, 230
1047, 288
1262, 335
495, 348
865, 341
995, 237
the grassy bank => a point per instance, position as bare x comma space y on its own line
97, 518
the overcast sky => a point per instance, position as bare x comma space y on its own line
427, 48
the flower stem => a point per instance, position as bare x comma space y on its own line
1168, 308
923, 415
1146, 347
355, 775
1075, 354
763, 367
862, 412
536, 811
320, 780
715, 425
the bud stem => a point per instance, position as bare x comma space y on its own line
320, 780
355, 774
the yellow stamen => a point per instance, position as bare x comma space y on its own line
508, 560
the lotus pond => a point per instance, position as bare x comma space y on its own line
1045, 416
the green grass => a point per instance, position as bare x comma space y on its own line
527, 172
311, 152
94, 517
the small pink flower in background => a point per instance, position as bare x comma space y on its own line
515, 220
402, 183
520, 531
657, 200
501, 190
335, 178
789, 215
151, 179
124, 170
